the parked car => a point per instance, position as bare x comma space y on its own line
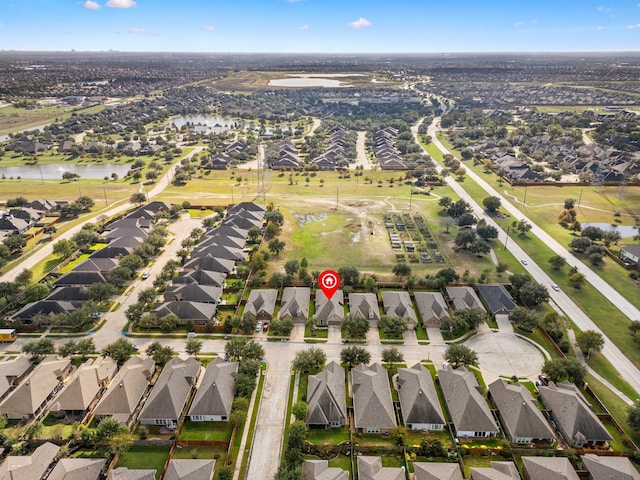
146, 275
259, 327
265, 327
543, 379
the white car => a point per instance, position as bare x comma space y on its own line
524, 262
555, 287
146, 275
259, 327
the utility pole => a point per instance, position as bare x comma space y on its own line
106, 202
507, 239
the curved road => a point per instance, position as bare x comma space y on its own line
625, 367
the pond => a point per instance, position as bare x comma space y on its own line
303, 81
54, 171
208, 120
623, 230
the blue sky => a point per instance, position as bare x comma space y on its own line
340, 26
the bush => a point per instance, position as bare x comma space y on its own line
564, 346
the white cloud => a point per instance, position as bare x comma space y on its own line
534, 22
91, 5
361, 22
303, 27
518, 24
600, 27
141, 31
208, 28
633, 27
121, 3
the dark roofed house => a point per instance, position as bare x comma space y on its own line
261, 304
198, 312
573, 416
548, 468
74, 278
519, 413
220, 251
13, 225
432, 307
214, 398
295, 304
469, 411
221, 241
209, 263
365, 305
103, 265
70, 294
201, 277
609, 468
192, 292
399, 304
327, 399
43, 307
372, 404
498, 301
329, 311
421, 408
170, 392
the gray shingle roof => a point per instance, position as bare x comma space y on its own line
210, 263
326, 396
498, 471
519, 412
432, 307
196, 311
549, 468
418, 396
467, 406
170, 393
572, 414
464, 297
201, 277
330, 310
33, 391
190, 470
398, 304
364, 305
372, 402
11, 370
320, 470
496, 298
193, 293
85, 384
123, 473
607, 468
217, 389
78, 469
370, 468
29, 467
437, 471
261, 302
295, 303
126, 389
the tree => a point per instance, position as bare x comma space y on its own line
589, 340
309, 360
15, 243
392, 355
23, 278
138, 198
634, 416
134, 312
501, 268
533, 293
299, 411
193, 346
448, 275
38, 348
569, 203
85, 347
119, 276
491, 204
460, 355
399, 435
465, 238
274, 216
68, 349
291, 267
391, 325
522, 227
557, 262
253, 234
160, 354
85, 203
101, 292
276, 245
401, 269
560, 369
479, 248
63, 248
486, 232
349, 275
580, 244
577, 279
472, 317
147, 295
225, 472
36, 291
355, 356
120, 350
355, 325
240, 349
524, 318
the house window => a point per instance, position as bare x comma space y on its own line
224, 418
373, 430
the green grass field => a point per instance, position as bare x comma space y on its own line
145, 458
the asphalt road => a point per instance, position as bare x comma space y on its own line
621, 363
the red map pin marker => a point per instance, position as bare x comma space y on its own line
329, 282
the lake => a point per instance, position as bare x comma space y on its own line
54, 171
307, 81
623, 230
208, 120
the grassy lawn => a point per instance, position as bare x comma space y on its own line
203, 453
475, 461
53, 428
343, 462
329, 436
316, 333
214, 431
414, 438
145, 458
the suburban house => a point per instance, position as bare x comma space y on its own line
365, 305
29, 398
329, 311
219, 251
606, 468
497, 471
519, 413
372, 404
213, 400
573, 416
463, 298
226, 230
398, 304
419, 402
44, 307
210, 263
468, 409
11, 372
630, 254
217, 240
437, 471
170, 392
190, 469
201, 277
79, 395
29, 467
198, 312
126, 389
74, 278
261, 304
78, 469
12, 225
497, 300
193, 292
549, 468
370, 468
432, 308
124, 473
327, 398
295, 304
320, 470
